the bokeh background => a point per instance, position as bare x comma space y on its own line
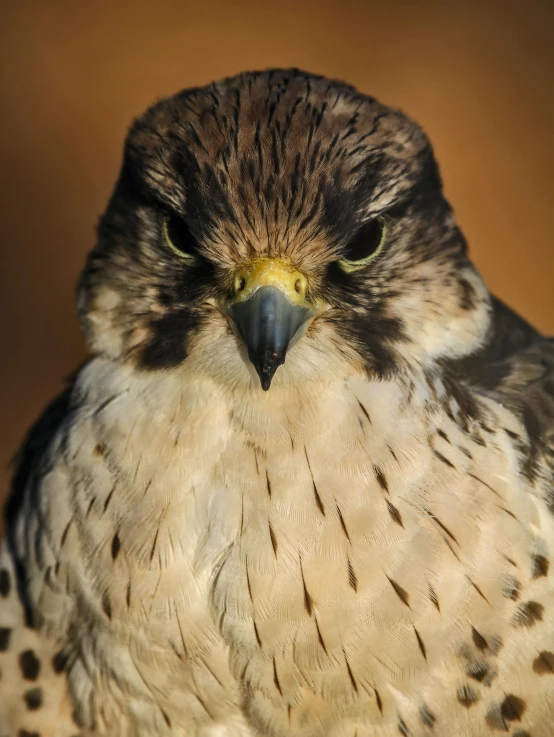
478, 75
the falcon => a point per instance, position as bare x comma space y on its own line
305, 483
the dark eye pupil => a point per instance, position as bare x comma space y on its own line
179, 235
366, 242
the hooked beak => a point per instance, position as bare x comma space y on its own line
269, 312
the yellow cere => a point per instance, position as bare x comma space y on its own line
266, 272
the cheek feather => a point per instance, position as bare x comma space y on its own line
169, 338
437, 323
100, 323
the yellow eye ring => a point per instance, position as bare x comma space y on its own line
181, 234
379, 238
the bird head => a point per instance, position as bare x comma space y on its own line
279, 218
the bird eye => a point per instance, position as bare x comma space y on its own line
365, 246
178, 237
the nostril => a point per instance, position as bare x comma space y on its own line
240, 283
300, 286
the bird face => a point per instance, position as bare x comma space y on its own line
275, 216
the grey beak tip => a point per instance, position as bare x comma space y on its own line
266, 365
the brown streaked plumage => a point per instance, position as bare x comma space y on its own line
305, 484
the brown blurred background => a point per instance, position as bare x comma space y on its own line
477, 75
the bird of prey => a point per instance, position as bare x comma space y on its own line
305, 483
